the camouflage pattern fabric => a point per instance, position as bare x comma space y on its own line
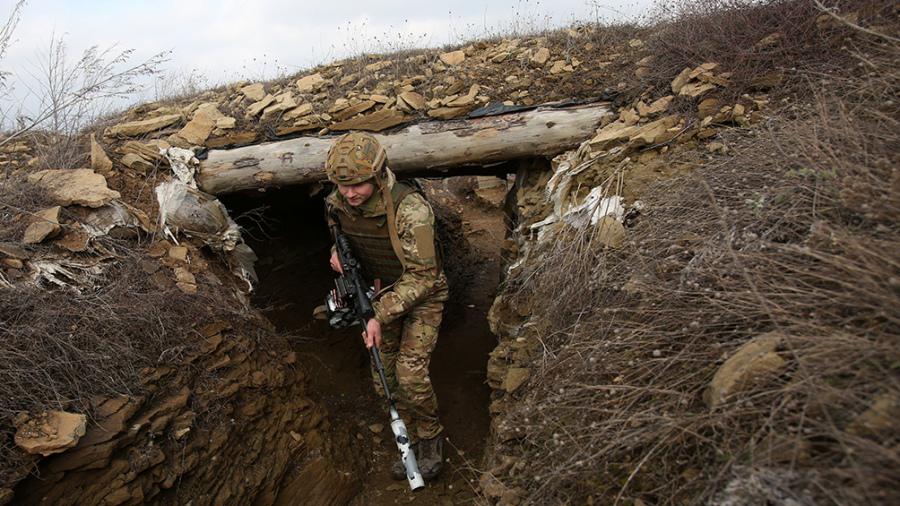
410, 309
354, 158
423, 276
406, 349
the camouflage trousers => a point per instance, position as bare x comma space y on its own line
406, 348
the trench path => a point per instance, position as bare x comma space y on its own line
294, 276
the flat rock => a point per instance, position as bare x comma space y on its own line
881, 417
702, 69
681, 79
100, 162
232, 139
515, 377
465, 100
12, 250
375, 122
453, 57
629, 117
707, 107
540, 57
412, 99
339, 105
257, 107
185, 280
379, 65
283, 102
178, 253
311, 83
137, 162
767, 81
298, 112
52, 432
656, 107
12, 263
135, 128
613, 133
46, 225
654, 132
560, 66
226, 123
254, 92
353, 110
75, 240
448, 112
500, 57
301, 125
755, 360
146, 150
695, 89
202, 124
610, 232
79, 186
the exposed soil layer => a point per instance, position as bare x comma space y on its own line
292, 242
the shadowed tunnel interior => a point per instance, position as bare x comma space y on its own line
286, 228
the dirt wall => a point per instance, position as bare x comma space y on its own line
231, 425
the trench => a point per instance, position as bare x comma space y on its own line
286, 229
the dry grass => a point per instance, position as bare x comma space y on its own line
751, 39
795, 231
61, 349
19, 200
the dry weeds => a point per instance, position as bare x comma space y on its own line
752, 39
62, 349
795, 231
19, 200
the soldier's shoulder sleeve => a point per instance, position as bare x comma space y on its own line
330, 205
415, 226
414, 210
331, 199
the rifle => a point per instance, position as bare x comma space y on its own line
351, 302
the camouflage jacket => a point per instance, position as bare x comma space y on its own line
423, 278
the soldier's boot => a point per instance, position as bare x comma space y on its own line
431, 457
398, 470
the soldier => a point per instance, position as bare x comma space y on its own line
390, 226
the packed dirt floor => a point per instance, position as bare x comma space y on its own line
290, 237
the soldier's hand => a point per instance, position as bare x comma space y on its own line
372, 335
336, 263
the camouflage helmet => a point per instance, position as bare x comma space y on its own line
354, 158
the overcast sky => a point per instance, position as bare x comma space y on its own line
227, 40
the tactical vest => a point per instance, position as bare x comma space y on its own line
371, 240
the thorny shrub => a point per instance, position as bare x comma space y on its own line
794, 232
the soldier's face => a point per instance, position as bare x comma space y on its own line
356, 194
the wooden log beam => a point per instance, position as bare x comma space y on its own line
430, 148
